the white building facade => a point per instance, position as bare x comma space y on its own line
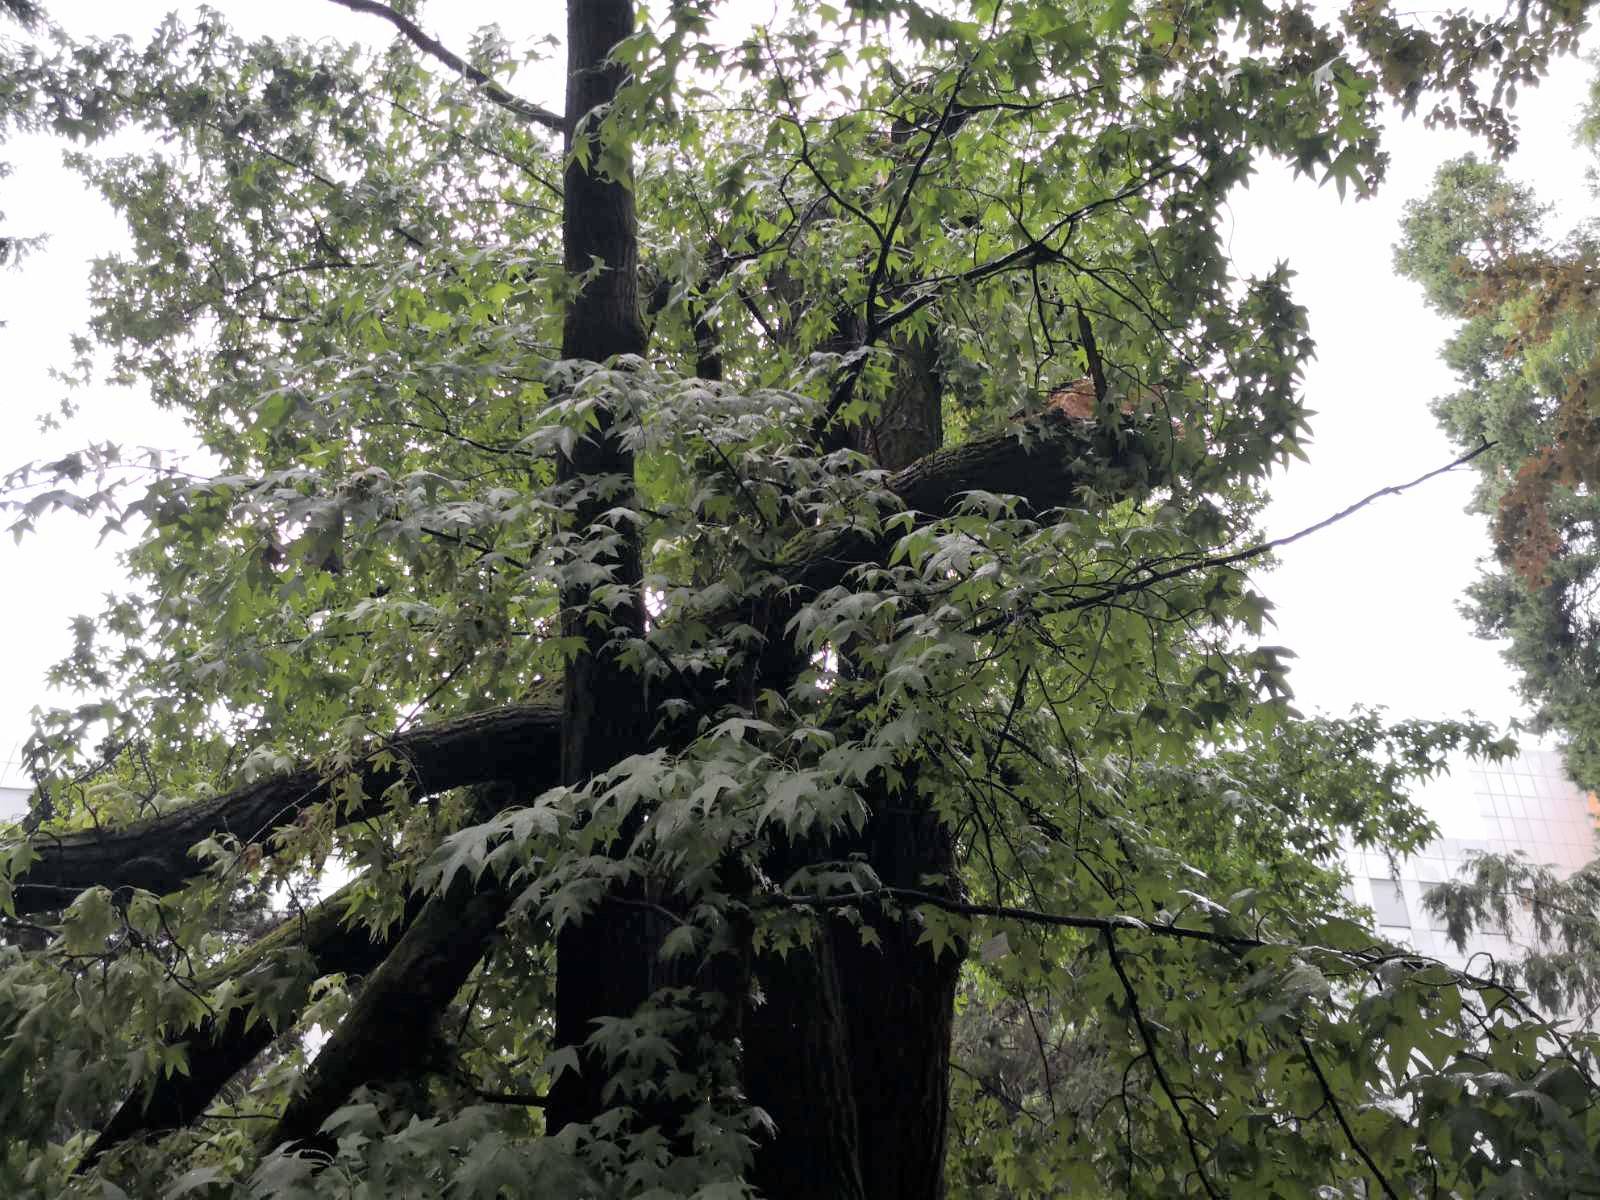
1525, 805
13, 803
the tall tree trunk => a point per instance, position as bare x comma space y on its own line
798, 1069
898, 997
850, 1053
603, 965
909, 423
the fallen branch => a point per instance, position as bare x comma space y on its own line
389, 1030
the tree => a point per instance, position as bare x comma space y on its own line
1481, 246
742, 571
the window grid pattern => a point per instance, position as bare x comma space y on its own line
1525, 805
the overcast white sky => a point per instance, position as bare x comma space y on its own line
1369, 606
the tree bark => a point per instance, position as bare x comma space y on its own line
797, 1068
605, 964
388, 1033
899, 999
909, 423
862, 1108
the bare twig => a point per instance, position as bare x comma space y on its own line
1338, 1113
1142, 581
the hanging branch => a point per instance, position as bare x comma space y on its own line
1140, 582
1148, 1038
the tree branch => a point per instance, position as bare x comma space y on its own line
1143, 577
389, 1029
415, 34
219, 1050
153, 855
1165, 1083
1344, 1124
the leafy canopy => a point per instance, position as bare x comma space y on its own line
347, 273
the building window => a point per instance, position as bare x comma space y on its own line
1389, 903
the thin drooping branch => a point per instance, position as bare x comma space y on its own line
419, 38
1142, 577
1267, 547
1372, 959
1153, 1053
1344, 1123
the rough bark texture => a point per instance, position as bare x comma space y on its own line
605, 966
899, 999
388, 1033
850, 1051
866, 1111
909, 423
797, 1068
598, 221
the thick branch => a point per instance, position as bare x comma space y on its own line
390, 1028
154, 855
219, 1049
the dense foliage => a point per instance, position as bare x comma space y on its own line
1525, 352
748, 577
1482, 247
